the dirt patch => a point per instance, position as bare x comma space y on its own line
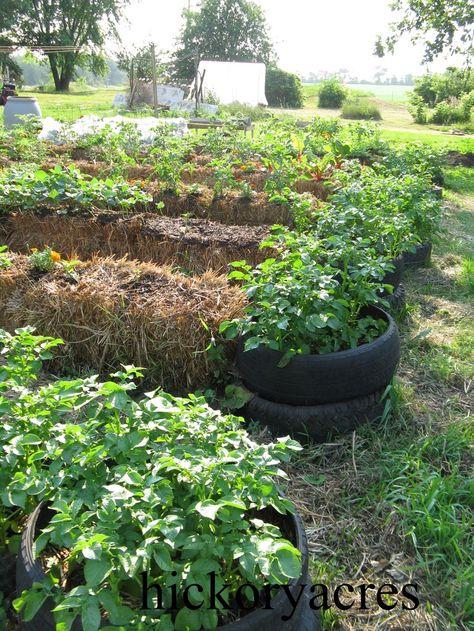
457, 159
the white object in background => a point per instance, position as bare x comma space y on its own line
120, 100
233, 81
20, 106
168, 95
60, 133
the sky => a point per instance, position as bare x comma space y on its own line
309, 35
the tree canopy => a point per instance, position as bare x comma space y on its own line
72, 23
223, 30
441, 25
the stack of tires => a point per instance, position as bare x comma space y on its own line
314, 396
396, 299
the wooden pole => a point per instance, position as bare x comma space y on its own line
196, 80
153, 65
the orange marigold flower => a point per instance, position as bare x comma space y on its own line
34, 250
56, 257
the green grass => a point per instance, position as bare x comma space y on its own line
460, 179
433, 138
392, 93
69, 107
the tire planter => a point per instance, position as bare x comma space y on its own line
394, 278
30, 570
319, 379
7, 573
315, 421
19, 106
397, 299
420, 256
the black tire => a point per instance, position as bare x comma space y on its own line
394, 278
319, 379
29, 570
316, 422
397, 299
421, 256
7, 573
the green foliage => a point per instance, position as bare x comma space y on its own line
68, 189
222, 30
187, 481
357, 109
4, 260
332, 93
449, 113
283, 89
436, 88
438, 26
418, 109
44, 260
309, 298
451, 94
64, 23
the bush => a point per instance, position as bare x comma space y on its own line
283, 89
418, 109
437, 88
332, 93
448, 113
361, 110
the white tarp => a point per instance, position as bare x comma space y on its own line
232, 81
59, 133
169, 95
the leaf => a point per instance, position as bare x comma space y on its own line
95, 571
187, 620
208, 509
289, 561
90, 615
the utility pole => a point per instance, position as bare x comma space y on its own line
153, 66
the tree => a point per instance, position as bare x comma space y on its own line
441, 25
72, 23
283, 89
223, 30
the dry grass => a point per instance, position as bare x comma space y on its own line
124, 312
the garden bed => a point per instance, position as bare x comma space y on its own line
123, 312
197, 245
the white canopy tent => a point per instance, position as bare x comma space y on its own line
232, 81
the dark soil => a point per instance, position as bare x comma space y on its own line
457, 159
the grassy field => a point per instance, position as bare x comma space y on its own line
390, 93
69, 107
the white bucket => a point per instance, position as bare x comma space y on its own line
19, 106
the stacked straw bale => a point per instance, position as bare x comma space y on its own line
124, 312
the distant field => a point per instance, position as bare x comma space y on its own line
392, 93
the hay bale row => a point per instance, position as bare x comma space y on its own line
196, 245
124, 312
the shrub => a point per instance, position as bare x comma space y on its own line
448, 113
436, 88
332, 93
418, 109
283, 89
361, 110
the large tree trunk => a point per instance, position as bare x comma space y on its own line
62, 69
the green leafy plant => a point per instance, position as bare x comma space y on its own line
331, 93
188, 482
4, 260
308, 300
70, 189
44, 260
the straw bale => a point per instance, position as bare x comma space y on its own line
195, 244
126, 312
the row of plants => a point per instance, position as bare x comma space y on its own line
196, 495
